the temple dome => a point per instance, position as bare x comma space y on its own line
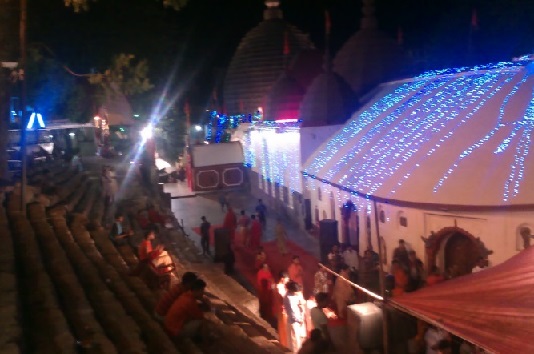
306, 66
260, 59
328, 100
369, 57
283, 100
454, 139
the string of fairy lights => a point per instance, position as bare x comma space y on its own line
273, 150
407, 126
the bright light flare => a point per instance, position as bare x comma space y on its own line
198, 128
147, 132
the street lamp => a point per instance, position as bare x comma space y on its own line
198, 128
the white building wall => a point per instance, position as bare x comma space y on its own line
498, 231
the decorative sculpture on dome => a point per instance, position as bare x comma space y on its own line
368, 19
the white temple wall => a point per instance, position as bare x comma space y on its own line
498, 231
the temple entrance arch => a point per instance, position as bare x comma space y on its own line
454, 250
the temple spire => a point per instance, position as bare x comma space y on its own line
368, 18
327, 29
273, 11
287, 50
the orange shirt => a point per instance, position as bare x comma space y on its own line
401, 280
168, 299
146, 252
183, 310
295, 272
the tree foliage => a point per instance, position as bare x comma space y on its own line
83, 5
125, 75
49, 85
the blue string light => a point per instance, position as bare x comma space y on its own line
273, 150
407, 126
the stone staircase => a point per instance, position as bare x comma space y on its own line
62, 283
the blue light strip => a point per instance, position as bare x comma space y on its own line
273, 150
430, 109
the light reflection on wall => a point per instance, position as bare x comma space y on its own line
274, 153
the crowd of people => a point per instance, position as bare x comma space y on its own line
303, 325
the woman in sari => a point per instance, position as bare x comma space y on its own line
279, 291
265, 282
242, 226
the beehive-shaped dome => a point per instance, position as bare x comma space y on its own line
283, 100
369, 57
260, 59
306, 66
328, 100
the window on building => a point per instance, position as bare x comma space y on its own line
319, 194
403, 221
285, 195
382, 216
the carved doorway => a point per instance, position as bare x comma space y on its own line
454, 250
460, 255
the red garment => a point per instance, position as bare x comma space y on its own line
244, 221
255, 234
260, 259
183, 310
230, 223
155, 218
143, 222
264, 274
296, 273
145, 251
166, 301
265, 297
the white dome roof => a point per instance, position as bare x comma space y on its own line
454, 138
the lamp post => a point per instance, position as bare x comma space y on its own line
22, 65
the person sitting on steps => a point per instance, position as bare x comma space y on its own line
118, 234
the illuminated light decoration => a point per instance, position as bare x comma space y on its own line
481, 96
404, 129
219, 124
31, 122
289, 120
484, 140
272, 150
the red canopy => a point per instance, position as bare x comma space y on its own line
493, 309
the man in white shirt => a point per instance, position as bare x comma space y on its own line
293, 304
318, 317
433, 336
352, 259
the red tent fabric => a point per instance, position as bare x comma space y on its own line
493, 309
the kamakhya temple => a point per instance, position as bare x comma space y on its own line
439, 159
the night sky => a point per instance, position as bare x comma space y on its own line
197, 42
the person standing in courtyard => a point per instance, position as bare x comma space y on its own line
243, 224
223, 202
281, 236
230, 222
255, 233
343, 293
278, 308
205, 227
352, 259
261, 210
295, 316
296, 272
